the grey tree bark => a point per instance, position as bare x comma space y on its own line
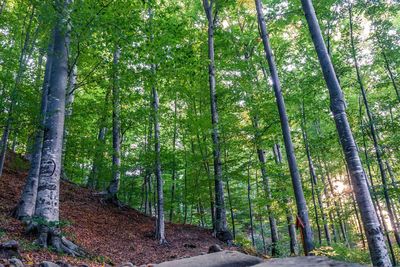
160, 230
377, 247
69, 101
302, 210
26, 206
221, 226
47, 203
116, 131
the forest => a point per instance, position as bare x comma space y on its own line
273, 124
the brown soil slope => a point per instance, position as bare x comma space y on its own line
108, 233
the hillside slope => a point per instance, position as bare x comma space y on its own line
110, 234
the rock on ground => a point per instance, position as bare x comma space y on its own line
237, 259
9, 249
306, 261
218, 259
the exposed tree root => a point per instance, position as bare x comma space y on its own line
51, 237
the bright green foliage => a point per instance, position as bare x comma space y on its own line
179, 51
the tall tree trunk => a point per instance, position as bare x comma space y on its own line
2, 6
377, 247
250, 205
378, 151
221, 225
296, 180
14, 91
94, 174
160, 231
69, 100
267, 187
47, 204
230, 197
371, 188
314, 184
171, 212
204, 155
260, 215
116, 131
289, 216
389, 71
292, 233
26, 206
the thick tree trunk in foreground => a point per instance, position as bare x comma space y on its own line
376, 242
27, 203
47, 204
297, 187
221, 226
116, 140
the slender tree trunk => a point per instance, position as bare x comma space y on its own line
26, 206
392, 178
390, 72
185, 191
267, 188
292, 233
377, 247
289, 216
250, 205
230, 198
221, 225
2, 6
116, 131
314, 185
171, 212
94, 175
160, 231
209, 180
378, 151
69, 100
296, 180
371, 188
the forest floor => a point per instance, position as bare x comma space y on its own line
111, 235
